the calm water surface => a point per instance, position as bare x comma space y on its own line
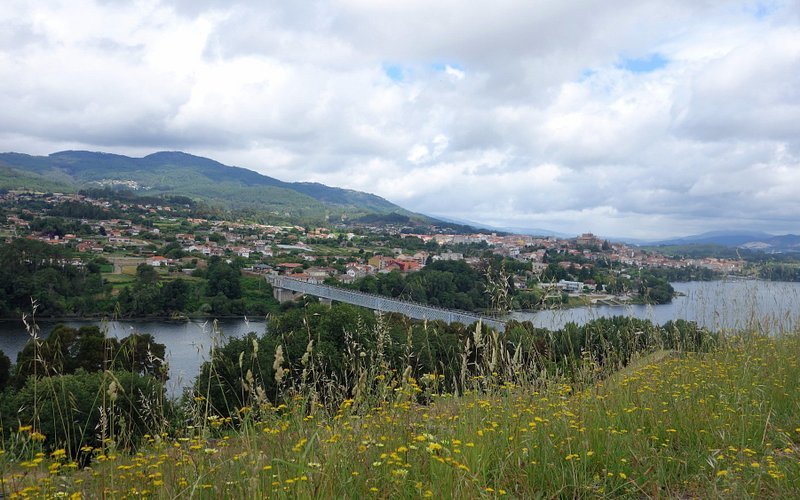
765, 306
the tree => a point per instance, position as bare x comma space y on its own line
65, 350
140, 353
5, 370
174, 296
85, 397
223, 278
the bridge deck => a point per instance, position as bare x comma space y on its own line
385, 304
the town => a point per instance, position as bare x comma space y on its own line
178, 240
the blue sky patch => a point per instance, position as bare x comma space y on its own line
394, 72
586, 74
646, 64
763, 9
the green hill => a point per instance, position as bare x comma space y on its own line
178, 173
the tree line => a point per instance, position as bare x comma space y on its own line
63, 285
330, 349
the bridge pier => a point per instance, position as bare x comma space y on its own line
283, 295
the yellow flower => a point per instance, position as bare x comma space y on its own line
432, 447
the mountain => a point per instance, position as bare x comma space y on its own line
751, 240
178, 173
723, 238
783, 243
503, 230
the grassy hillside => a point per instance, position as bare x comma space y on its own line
671, 424
201, 178
15, 179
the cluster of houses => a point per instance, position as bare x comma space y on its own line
248, 240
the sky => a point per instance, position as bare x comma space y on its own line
635, 118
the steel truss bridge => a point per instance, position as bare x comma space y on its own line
286, 288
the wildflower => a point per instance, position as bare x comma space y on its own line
432, 447
299, 446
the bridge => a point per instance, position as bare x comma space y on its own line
286, 288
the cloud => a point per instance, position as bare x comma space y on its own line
624, 118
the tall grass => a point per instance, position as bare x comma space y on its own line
657, 423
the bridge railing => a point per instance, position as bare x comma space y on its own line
381, 303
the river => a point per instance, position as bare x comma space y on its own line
766, 306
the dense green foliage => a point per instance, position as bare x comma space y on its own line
67, 350
83, 408
689, 273
61, 285
328, 348
448, 284
78, 386
32, 270
654, 290
779, 272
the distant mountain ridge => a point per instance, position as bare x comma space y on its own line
175, 172
751, 240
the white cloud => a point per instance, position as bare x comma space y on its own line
508, 112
